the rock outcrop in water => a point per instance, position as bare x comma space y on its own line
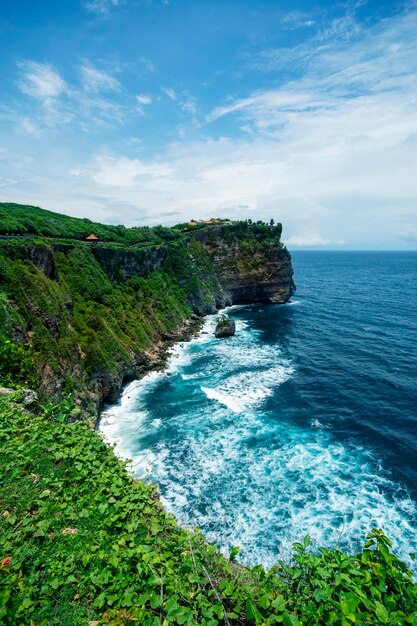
97, 316
225, 327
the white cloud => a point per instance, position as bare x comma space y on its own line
40, 80
307, 240
333, 155
144, 99
409, 234
96, 81
27, 126
123, 172
86, 104
101, 7
190, 105
170, 93
148, 64
296, 19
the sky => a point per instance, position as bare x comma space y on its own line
141, 112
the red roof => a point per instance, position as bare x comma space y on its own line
92, 238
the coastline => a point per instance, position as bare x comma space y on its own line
228, 427
161, 351
156, 359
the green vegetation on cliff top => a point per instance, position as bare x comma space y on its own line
20, 219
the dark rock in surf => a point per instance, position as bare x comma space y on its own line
224, 327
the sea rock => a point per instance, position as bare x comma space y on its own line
224, 327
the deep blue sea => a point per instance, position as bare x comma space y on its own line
304, 422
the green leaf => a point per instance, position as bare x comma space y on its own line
233, 553
113, 560
322, 594
381, 612
279, 603
251, 612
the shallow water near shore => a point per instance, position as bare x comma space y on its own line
304, 422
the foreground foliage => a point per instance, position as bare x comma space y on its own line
82, 542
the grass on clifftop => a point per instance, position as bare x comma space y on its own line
82, 543
22, 219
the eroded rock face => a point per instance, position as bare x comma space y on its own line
122, 264
263, 274
27, 397
42, 257
210, 268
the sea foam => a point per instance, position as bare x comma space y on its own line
248, 472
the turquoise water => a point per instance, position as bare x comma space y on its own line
304, 422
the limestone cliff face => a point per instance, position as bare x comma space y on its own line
42, 257
101, 314
122, 264
260, 271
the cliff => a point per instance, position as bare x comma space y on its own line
96, 315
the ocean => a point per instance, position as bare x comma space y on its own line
304, 422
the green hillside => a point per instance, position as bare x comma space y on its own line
18, 219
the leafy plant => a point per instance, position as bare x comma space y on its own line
17, 365
64, 411
82, 542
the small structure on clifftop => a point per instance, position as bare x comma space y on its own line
225, 327
92, 238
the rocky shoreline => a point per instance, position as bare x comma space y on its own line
156, 360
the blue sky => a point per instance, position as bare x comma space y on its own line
145, 112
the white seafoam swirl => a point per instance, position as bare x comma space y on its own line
226, 462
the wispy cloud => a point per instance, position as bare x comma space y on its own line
62, 103
40, 80
170, 93
190, 105
307, 240
337, 147
101, 7
28, 127
148, 65
410, 234
123, 172
96, 80
297, 19
332, 152
334, 33
144, 99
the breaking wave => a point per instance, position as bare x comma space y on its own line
258, 440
